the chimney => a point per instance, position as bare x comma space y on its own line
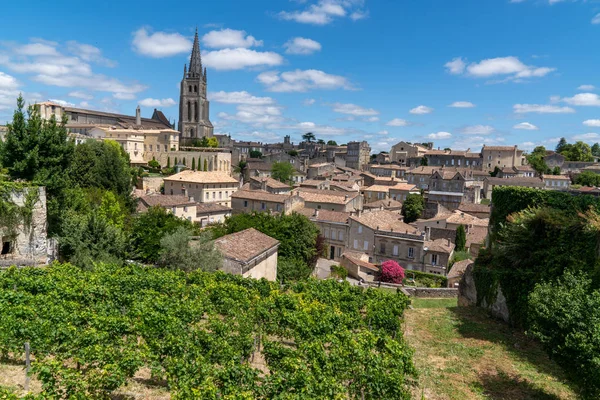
316, 213
263, 184
191, 199
138, 116
448, 242
346, 197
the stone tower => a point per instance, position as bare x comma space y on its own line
194, 121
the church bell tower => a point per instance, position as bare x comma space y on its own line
194, 122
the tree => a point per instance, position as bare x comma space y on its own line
423, 162
331, 143
255, 154
148, 229
103, 164
578, 151
495, 172
561, 145
241, 167
168, 161
321, 142
282, 171
205, 164
461, 238
39, 150
308, 137
596, 150
291, 270
193, 163
564, 318
205, 142
391, 272
177, 252
413, 207
536, 160
588, 178
293, 153
556, 170
154, 164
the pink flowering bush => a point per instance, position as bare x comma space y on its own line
392, 272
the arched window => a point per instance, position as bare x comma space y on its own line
192, 132
190, 88
196, 110
195, 89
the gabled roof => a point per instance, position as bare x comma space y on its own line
260, 195
325, 215
201, 177
207, 208
272, 183
325, 196
162, 200
387, 204
384, 220
459, 268
245, 245
439, 246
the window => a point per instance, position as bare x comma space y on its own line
214, 195
7, 247
411, 252
220, 195
166, 148
326, 233
174, 210
434, 259
366, 245
341, 235
150, 147
360, 229
356, 243
395, 250
278, 207
206, 195
184, 208
263, 206
382, 248
245, 203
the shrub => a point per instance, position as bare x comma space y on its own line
392, 272
339, 271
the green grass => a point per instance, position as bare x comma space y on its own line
461, 353
432, 303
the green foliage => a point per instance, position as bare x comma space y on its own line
424, 279
588, 178
177, 252
579, 151
596, 150
296, 234
292, 269
205, 165
308, 137
193, 163
564, 318
495, 172
241, 167
154, 164
561, 145
205, 142
337, 271
460, 241
102, 164
255, 154
149, 228
331, 143
413, 207
293, 153
282, 171
423, 162
556, 170
11, 214
459, 256
168, 161
91, 330
536, 160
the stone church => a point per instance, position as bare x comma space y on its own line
194, 120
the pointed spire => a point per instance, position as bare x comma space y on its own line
195, 60
204, 74
184, 70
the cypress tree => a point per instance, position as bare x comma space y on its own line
175, 160
184, 161
461, 238
206, 165
193, 163
169, 162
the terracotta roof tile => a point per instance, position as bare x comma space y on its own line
325, 196
459, 268
260, 195
384, 220
201, 177
245, 245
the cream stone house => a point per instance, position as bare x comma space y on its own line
204, 187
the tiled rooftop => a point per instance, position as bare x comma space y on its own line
201, 177
245, 245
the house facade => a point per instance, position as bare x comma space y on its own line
204, 187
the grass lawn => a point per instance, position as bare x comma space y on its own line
461, 353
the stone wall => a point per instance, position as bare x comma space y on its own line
434, 293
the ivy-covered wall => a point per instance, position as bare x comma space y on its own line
535, 236
23, 225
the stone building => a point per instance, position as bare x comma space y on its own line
330, 199
186, 208
401, 152
269, 184
194, 120
334, 228
501, 157
204, 187
249, 253
358, 155
247, 201
25, 242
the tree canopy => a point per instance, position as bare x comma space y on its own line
283, 171
309, 137
413, 207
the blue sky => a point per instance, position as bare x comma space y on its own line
458, 73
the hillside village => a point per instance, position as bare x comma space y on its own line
158, 258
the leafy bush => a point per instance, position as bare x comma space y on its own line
424, 279
338, 271
413, 207
565, 318
391, 272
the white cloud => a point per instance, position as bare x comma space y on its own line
353, 109
300, 45
242, 97
456, 66
63, 103
476, 142
371, 119
421, 110
302, 81
150, 102
509, 67
592, 122
160, 44
89, 53
255, 115
398, 122
81, 95
124, 96
587, 88
462, 104
317, 129
228, 38
37, 49
596, 19
526, 126
383, 132
325, 11
587, 137
528, 146
439, 135
8, 82
583, 99
541, 109
309, 102
477, 130
239, 58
